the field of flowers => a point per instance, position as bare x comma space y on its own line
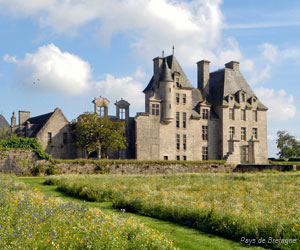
262, 207
30, 220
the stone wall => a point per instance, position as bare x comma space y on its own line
22, 162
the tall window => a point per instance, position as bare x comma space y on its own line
204, 153
204, 113
243, 97
231, 114
184, 120
184, 98
243, 134
178, 157
49, 137
184, 142
254, 115
231, 132
254, 133
205, 133
177, 82
65, 138
177, 119
101, 111
243, 114
178, 141
184, 158
155, 109
177, 98
122, 114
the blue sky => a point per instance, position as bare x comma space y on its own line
64, 53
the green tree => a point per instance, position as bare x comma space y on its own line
7, 134
288, 145
93, 132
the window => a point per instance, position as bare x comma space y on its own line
243, 114
231, 114
254, 133
184, 158
155, 109
177, 119
49, 137
177, 98
243, 134
184, 120
254, 115
165, 157
184, 142
177, 141
178, 157
204, 113
204, 153
184, 98
177, 82
231, 132
205, 133
65, 138
101, 111
243, 97
122, 114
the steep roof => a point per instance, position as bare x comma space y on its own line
3, 122
165, 74
174, 66
225, 82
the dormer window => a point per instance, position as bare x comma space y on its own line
177, 82
204, 113
155, 109
243, 97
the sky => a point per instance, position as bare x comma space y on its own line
64, 53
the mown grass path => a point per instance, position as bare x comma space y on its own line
183, 237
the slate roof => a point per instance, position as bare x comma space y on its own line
225, 82
165, 75
36, 123
3, 122
174, 66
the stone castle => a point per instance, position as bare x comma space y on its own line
220, 119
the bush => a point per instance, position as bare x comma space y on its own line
25, 143
37, 170
52, 170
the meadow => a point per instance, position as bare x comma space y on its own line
262, 207
31, 220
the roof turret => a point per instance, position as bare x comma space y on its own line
165, 75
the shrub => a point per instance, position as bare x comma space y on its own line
52, 170
37, 170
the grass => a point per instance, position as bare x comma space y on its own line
31, 220
254, 206
183, 237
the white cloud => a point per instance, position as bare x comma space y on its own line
272, 147
270, 52
50, 69
260, 75
281, 106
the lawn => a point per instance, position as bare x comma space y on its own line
263, 207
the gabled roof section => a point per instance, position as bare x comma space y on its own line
3, 122
175, 67
226, 82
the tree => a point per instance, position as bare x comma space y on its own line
7, 134
289, 146
93, 132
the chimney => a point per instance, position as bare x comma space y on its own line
23, 116
13, 120
233, 65
203, 76
157, 62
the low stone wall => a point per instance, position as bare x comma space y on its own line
22, 162
257, 168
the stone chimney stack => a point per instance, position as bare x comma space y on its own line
233, 65
23, 116
13, 122
157, 62
203, 77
